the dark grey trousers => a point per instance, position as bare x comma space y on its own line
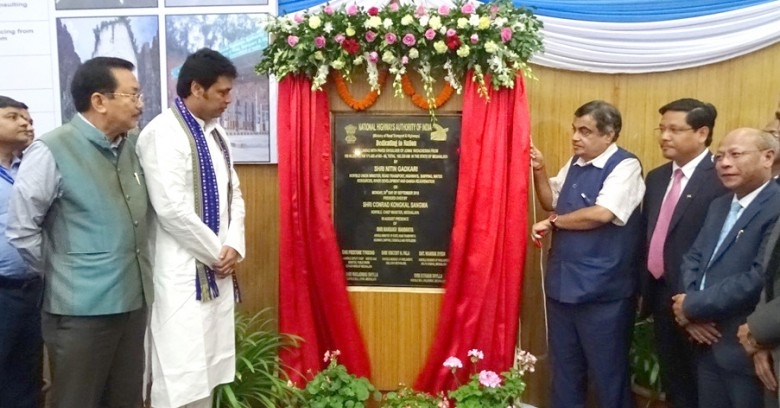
96, 361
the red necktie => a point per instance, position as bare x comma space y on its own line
655, 257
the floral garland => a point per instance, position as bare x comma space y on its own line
493, 39
358, 104
421, 101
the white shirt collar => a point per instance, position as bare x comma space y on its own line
601, 160
748, 198
690, 167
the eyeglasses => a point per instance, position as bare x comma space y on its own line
732, 155
673, 130
135, 97
775, 133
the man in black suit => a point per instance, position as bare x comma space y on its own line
722, 273
773, 127
683, 188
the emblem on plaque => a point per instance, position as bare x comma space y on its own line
350, 136
439, 133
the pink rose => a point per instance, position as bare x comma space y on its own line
474, 38
404, 60
430, 34
339, 38
506, 34
373, 11
319, 42
370, 36
292, 40
328, 10
451, 32
421, 11
390, 38
393, 7
373, 57
352, 9
489, 379
298, 18
467, 8
444, 10
409, 40
494, 10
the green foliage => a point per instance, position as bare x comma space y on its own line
475, 395
334, 387
260, 379
409, 398
645, 369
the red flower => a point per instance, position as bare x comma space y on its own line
453, 42
350, 46
373, 11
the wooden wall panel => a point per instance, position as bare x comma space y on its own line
398, 328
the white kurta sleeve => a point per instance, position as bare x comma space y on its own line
164, 153
235, 235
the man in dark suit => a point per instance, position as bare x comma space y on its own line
675, 204
722, 272
773, 127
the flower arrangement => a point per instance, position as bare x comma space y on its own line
406, 397
335, 387
487, 389
494, 39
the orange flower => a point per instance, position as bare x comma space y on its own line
357, 104
420, 101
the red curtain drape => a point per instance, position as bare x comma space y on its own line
313, 301
483, 282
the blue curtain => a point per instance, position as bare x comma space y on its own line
619, 11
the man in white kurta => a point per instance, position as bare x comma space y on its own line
191, 341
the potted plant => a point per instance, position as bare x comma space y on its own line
645, 368
335, 387
260, 380
406, 397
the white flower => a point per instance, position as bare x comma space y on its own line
424, 20
453, 362
490, 47
463, 51
337, 64
314, 22
407, 19
413, 53
500, 21
328, 27
440, 47
318, 56
435, 22
358, 60
387, 23
474, 20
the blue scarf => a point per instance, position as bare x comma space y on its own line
206, 194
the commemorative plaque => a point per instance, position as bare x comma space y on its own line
395, 183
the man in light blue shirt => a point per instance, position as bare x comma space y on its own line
21, 345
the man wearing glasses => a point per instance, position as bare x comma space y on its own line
676, 201
722, 273
78, 216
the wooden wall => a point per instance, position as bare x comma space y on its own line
398, 327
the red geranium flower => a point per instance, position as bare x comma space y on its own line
350, 46
453, 42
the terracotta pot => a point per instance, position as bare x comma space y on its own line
646, 398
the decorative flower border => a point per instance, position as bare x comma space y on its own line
494, 39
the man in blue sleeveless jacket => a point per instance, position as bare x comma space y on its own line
589, 282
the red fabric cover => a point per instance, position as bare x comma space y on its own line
483, 282
313, 302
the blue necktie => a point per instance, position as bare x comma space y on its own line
731, 219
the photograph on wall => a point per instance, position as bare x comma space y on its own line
134, 38
192, 3
241, 38
102, 4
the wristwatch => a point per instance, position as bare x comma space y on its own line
552, 219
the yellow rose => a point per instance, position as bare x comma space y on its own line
440, 47
491, 47
435, 22
462, 22
314, 22
350, 31
407, 19
484, 23
463, 51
